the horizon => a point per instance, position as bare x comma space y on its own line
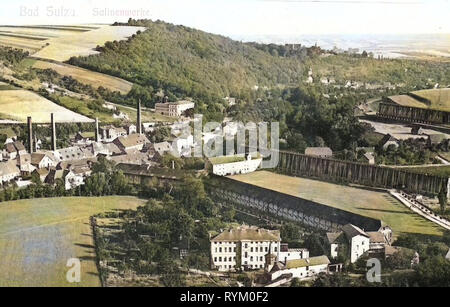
248, 18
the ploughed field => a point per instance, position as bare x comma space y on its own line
38, 236
374, 204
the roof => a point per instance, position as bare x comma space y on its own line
148, 171
162, 147
42, 171
248, 233
353, 231
376, 237
19, 146
388, 138
369, 156
36, 157
278, 266
333, 236
132, 140
8, 168
74, 153
318, 151
10, 148
299, 263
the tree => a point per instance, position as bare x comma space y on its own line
443, 200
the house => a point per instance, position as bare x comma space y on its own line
368, 157
322, 152
43, 160
354, 237
436, 139
162, 148
84, 137
387, 141
233, 165
41, 173
299, 268
174, 109
25, 166
54, 175
108, 149
131, 157
287, 253
359, 242
14, 149
131, 142
8, 171
109, 133
243, 247
130, 128
74, 153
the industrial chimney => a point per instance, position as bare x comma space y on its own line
139, 124
53, 132
30, 134
96, 129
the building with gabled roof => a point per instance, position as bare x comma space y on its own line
8, 171
133, 141
243, 247
300, 268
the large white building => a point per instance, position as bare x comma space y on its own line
243, 247
174, 109
233, 165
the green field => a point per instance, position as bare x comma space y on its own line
38, 236
436, 99
378, 205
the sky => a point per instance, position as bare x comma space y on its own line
245, 17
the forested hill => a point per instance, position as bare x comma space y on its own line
185, 61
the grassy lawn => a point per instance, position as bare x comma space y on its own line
378, 205
38, 236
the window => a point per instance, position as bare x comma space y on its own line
275, 249
251, 258
266, 249
261, 258
246, 245
246, 255
215, 259
220, 259
220, 249
251, 249
230, 259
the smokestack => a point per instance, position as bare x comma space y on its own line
96, 129
30, 134
139, 124
53, 132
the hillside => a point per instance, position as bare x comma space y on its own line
191, 62
188, 62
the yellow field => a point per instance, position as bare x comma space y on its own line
87, 77
83, 43
17, 105
408, 101
38, 236
377, 205
60, 43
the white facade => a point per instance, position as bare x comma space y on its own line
293, 254
73, 180
359, 245
334, 249
174, 109
242, 167
244, 247
251, 254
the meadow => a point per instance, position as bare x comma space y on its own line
17, 105
38, 236
374, 204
